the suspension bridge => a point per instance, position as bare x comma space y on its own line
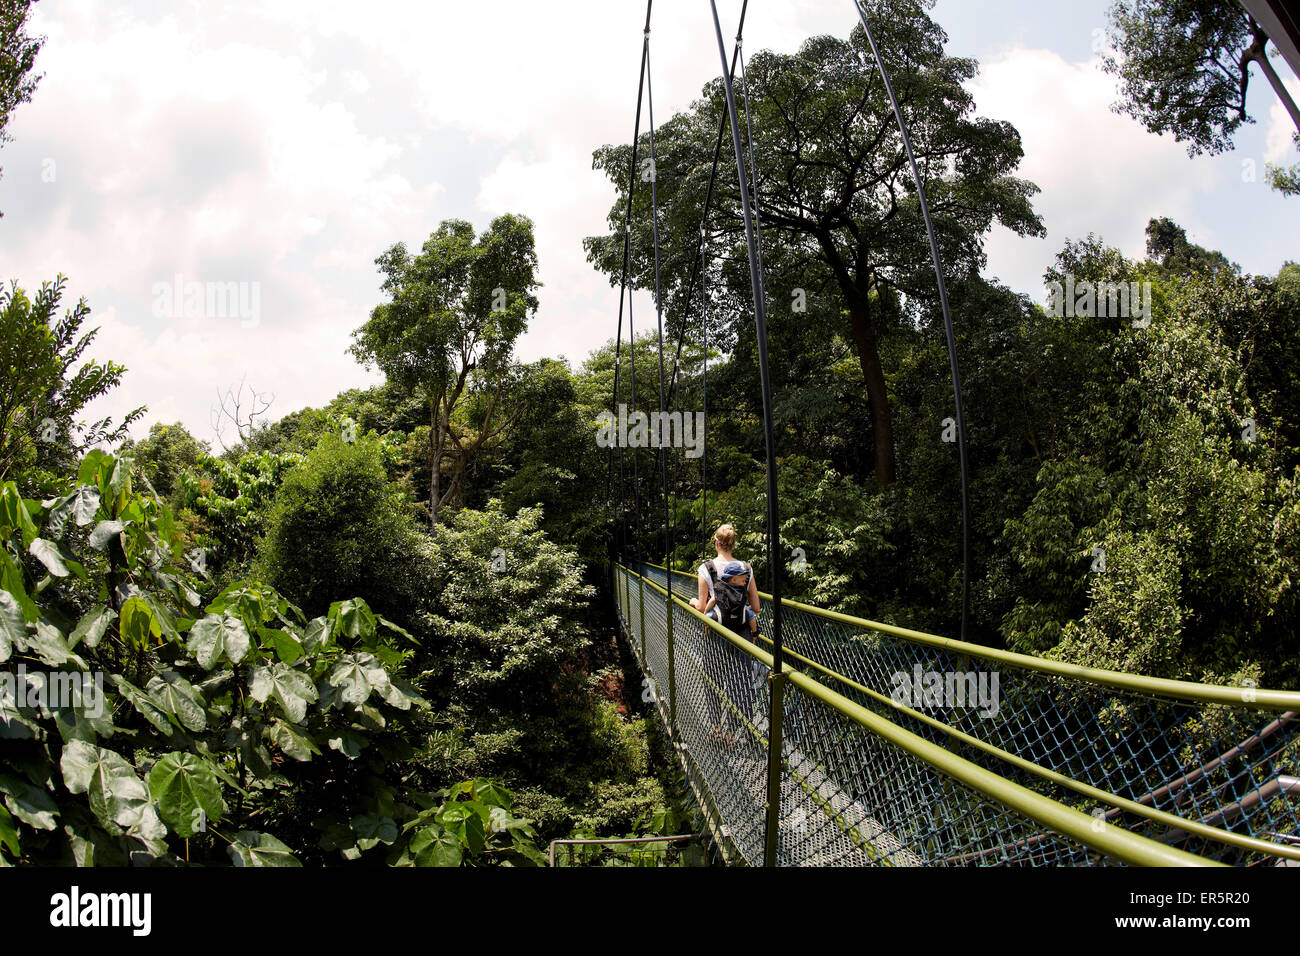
839, 741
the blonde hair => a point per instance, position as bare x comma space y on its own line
725, 537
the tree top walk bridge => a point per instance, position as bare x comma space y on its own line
842, 741
1059, 765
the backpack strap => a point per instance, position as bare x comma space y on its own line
713, 572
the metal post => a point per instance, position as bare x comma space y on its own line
775, 748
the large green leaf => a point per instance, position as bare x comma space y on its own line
174, 694
92, 626
29, 803
352, 619
372, 829
217, 635
294, 744
187, 792
138, 623
14, 513
435, 846
103, 533
116, 795
49, 644
8, 833
285, 644
291, 688
316, 635
145, 706
83, 505
260, 849
47, 552
351, 677
11, 580
13, 629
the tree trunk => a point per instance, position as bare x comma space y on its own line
882, 422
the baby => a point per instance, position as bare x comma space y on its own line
740, 578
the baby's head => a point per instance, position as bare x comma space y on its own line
734, 573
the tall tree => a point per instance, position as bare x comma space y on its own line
449, 329
1184, 68
40, 393
838, 208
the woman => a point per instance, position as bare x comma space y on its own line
724, 539
740, 675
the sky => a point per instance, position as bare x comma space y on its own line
269, 150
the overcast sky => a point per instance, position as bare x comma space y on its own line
284, 144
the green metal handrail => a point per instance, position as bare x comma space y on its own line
1275, 700
1112, 841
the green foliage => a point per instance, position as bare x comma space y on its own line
204, 712
1183, 69
40, 395
232, 501
168, 452
1167, 462
448, 332
510, 607
340, 526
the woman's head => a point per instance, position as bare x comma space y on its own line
724, 539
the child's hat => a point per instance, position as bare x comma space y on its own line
733, 568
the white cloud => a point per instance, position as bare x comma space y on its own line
289, 143
1099, 172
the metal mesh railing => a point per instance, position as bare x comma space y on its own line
1152, 767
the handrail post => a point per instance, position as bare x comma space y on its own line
775, 738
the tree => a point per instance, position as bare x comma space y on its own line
338, 525
1167, 244
40, 395
165, 454
244, 412
449, 329
17, 57
838, 206
1184, 68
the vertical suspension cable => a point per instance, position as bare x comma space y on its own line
704, 385
659, 312
769, 438
623, 285
947, 318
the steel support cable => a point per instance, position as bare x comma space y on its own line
699, 267
708, 201
947, 317
704, 386
769, 438
659, 305
623, 286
